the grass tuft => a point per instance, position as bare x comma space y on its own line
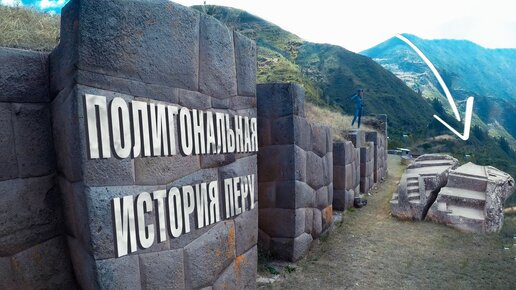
26, 28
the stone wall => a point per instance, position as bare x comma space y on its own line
165, 53
295, 164
33, 249
346, 174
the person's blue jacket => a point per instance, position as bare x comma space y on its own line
357, 100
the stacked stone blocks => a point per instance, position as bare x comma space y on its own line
33, 250
150, 51
295, 165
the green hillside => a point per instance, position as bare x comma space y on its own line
468, 69
330, 74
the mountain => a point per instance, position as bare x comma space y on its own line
407, 94
330, 74
468, 70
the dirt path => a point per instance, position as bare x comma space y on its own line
372, 250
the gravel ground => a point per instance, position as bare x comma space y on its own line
370, 249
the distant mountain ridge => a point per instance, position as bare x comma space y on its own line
468, 69
330, 74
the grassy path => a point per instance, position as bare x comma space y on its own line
372, 250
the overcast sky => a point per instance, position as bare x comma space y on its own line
361, 24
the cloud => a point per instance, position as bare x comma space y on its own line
49, 4
11, 3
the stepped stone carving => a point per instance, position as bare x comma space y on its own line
473, 198
420, 184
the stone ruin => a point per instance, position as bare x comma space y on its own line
57, 201
303, 176
473, 199
469, 197
58, 204
295, 174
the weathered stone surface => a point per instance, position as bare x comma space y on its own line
282, 162
315, 168
267, 194
291, 249
99, 200
294, 194
127, 86
119, 273
216, 160
162, 270
208, 256
241, 274
67, 138
33, 139
84, 266
7, 279
246, 229
44, 266
75, 209
322, 195
339, 199
194, 100
9, 164
278, 100
245, 54
320, 139
420, 184
217, 73
317, 223
128, 44
29, 213
357, 137
291, 129
292, 222
163, 170
264, 133
243, 102
473, 199
23, 76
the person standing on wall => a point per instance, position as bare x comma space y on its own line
357, 99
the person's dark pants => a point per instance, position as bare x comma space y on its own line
358, 114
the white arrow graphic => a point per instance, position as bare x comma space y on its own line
469, 101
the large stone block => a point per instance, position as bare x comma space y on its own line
278, 100
119, 273
282, 162
75, 209
44, 266
321, 139
9, 164
267, 194
84, 266
67, 138
245, 54
315, 170
162, 270
159, 46
216, 160
241, 274
29, 213
246, 230
322, 200
339, 199
264, 132
291, 249
291, 129
279, 222
163, 170
33, 137
217, 72
99, 200
23, 76
194, 100
7, 279
294, 194
209, 255
243, 102
128, 86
